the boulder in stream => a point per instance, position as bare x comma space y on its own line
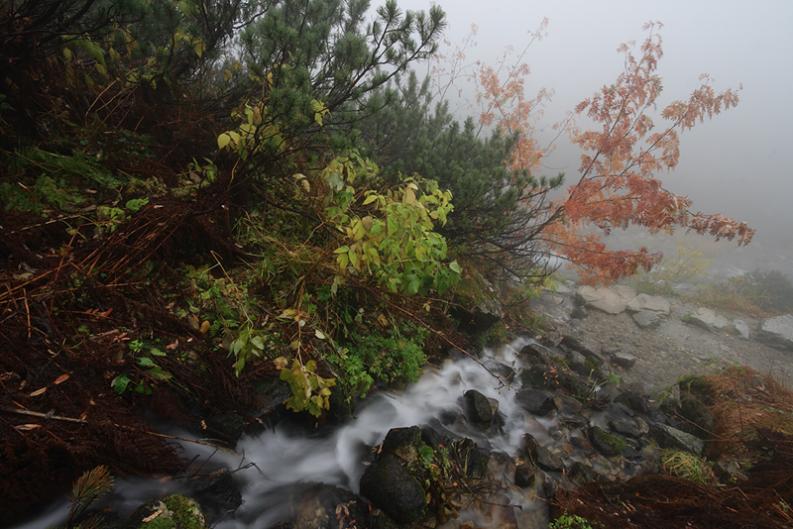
393, 489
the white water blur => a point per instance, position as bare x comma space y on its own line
283, 462
273, 466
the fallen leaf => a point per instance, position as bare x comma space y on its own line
27, 427
204, 327
61, 379
154, 515
40, 391
173, 345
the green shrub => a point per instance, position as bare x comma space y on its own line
570, 521
391, 358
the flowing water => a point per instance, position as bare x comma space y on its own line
275, 464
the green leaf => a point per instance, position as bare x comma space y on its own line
145, 361
455, 267
223, 141
136, 204
120, 383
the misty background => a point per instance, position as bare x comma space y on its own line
738, 163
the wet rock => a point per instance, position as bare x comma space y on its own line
479, 320
403, 443
668, 437
536, 376
535, 401
646, 319
777, 332
647, 303
478, 409
329, 507
524, 475
568, 405
634, 399
570, 343
548, 487
607, 443
611, 300
503, 371
548, 459
394, 490
630, 426
228, 426
535, 353
578, 363
707, 319
219, 495
529, 446
624, 360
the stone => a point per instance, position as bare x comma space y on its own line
648, 303
394, 490
624, 360
316, 508
633, 398
611, 300
227, 427
742, 328
606, 443
668, 437
535, 401
548, 459
218, 494
646, 319
777, 331
524, 476
535, 376
707, 319
403, 443
535, 353
578, 363
478, 408
630, 426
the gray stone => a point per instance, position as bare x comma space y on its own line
535, 401
707, 319
646, 319
625, 360
548, 459
778, 331
648, 303
611, 300
630, 426
669, 437
742, 328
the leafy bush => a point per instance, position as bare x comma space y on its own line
396, 356
570, 521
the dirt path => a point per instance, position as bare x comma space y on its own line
666, 352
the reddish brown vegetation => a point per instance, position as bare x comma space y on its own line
754, 422
623, 150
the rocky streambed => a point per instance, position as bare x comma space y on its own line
482, 442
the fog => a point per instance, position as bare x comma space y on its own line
740, 163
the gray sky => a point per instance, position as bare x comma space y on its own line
741, 163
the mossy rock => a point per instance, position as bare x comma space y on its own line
607, 443
173, 512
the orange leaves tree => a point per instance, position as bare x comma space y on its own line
622, 152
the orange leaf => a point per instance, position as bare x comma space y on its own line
61, 379
40, 391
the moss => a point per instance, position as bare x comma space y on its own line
614, 443
176, 512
